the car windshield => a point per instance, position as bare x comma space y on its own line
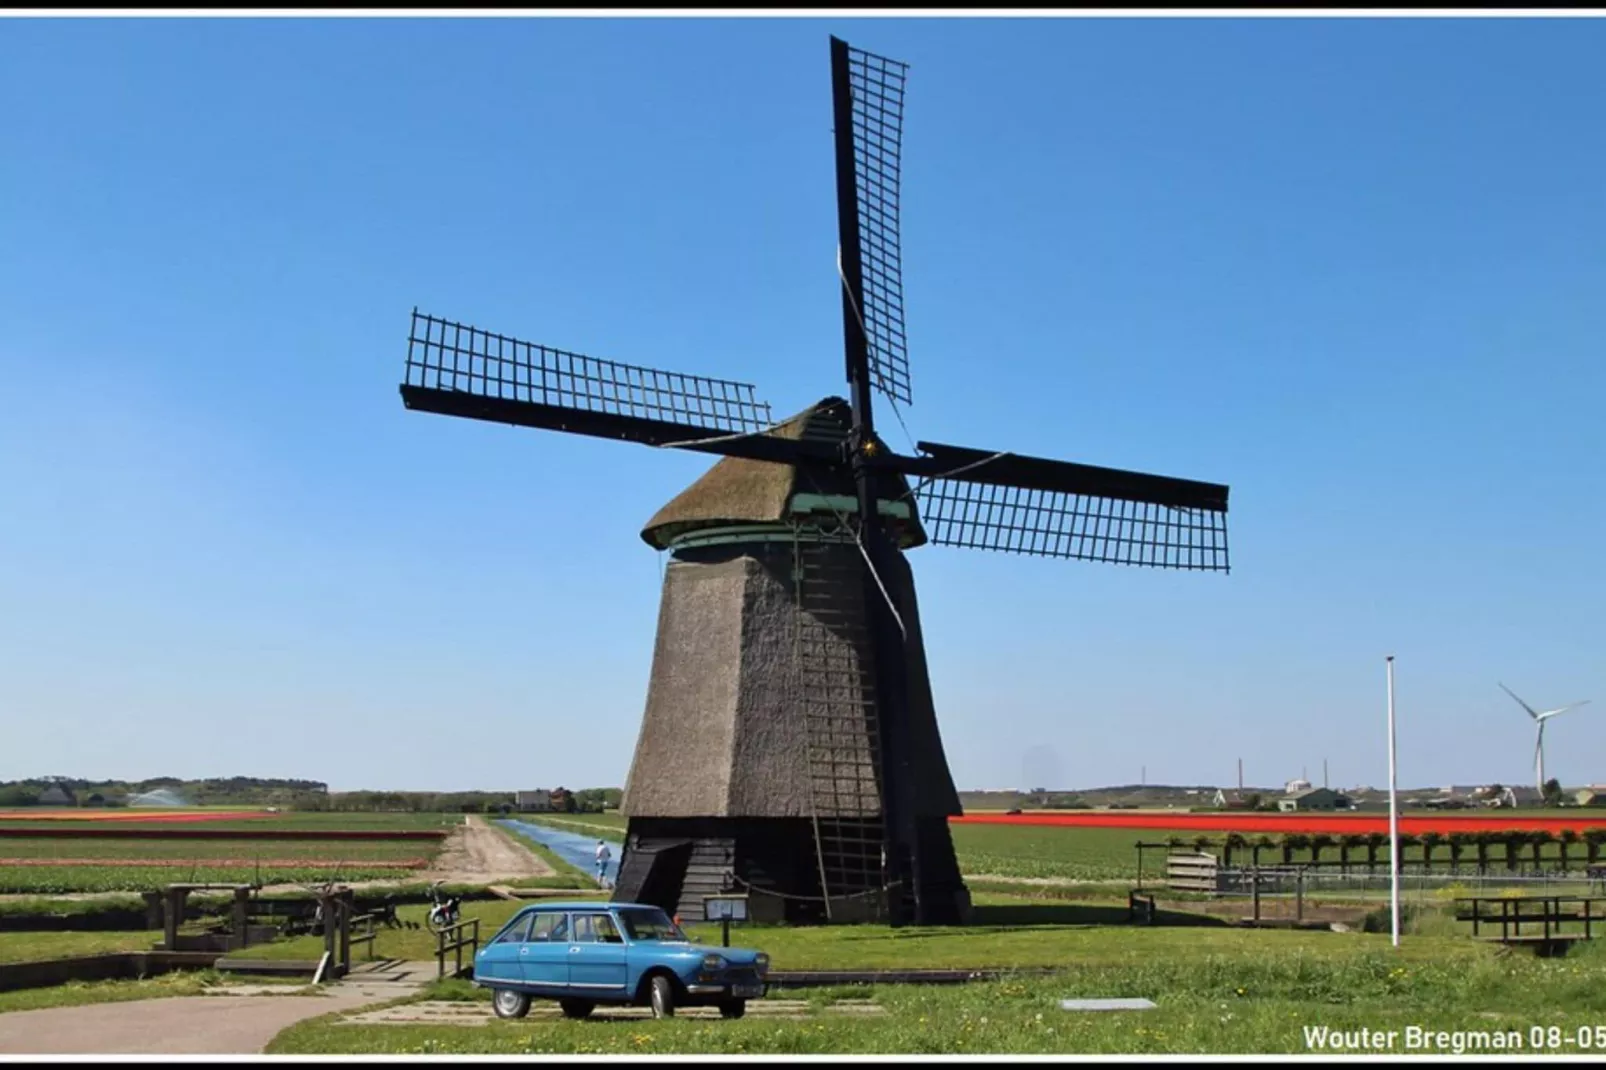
650, 924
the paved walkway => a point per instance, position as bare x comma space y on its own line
221, 1024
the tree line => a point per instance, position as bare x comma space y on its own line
289, 794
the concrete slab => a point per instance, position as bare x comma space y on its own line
1106, 1004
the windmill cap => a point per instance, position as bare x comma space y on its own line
739, 493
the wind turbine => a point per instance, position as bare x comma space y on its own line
1539, 740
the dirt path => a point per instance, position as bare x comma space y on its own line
474, 853
203, 1025
479, 853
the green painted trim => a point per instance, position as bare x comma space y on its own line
819, 503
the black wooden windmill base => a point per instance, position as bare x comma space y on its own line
675, 863
820, 503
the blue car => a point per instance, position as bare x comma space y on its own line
583, 954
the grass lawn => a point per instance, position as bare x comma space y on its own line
610, 823
1217, 990
35, 947
1056, 851
1007, 931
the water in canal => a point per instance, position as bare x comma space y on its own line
576, 848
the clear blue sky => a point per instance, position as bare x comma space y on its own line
1353, 268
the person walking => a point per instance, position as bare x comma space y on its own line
603, 854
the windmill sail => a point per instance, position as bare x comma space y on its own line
458, 370
869, 165
1030, 505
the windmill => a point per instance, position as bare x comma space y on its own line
789, 748
1539, 734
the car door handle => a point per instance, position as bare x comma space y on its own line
574, 951
523, 951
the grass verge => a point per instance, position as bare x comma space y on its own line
1256, 997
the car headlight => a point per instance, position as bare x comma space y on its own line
762, 962
713, 962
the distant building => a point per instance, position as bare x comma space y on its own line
1227, 799
560, 798
528, 801
57, 795
1314, 799
1296, 786
1594, 795
1514, 796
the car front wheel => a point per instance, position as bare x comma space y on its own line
662, 995
510, 1004
733, 1008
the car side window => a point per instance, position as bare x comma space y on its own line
595, 929
516, 933
550, 927
607, 931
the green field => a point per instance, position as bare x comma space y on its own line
1217, 989
316, 850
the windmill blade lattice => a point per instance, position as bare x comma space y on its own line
444, 357
877, 87
1073, 526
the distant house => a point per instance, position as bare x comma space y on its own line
1514, 796
528, 801
559, 798
1594, 795
1296, 786
1227, 799
1314, 799
57, 795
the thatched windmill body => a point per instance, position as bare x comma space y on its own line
789, 747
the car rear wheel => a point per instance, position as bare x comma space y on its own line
510, 1004
577, 1008
733, 1008
662, 996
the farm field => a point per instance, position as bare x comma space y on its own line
1061, 852
1330, 823
257, 822
75, 853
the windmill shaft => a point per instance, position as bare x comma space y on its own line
647, 431
886, 638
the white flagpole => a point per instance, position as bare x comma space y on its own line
1394, 818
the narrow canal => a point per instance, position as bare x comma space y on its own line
576, 848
